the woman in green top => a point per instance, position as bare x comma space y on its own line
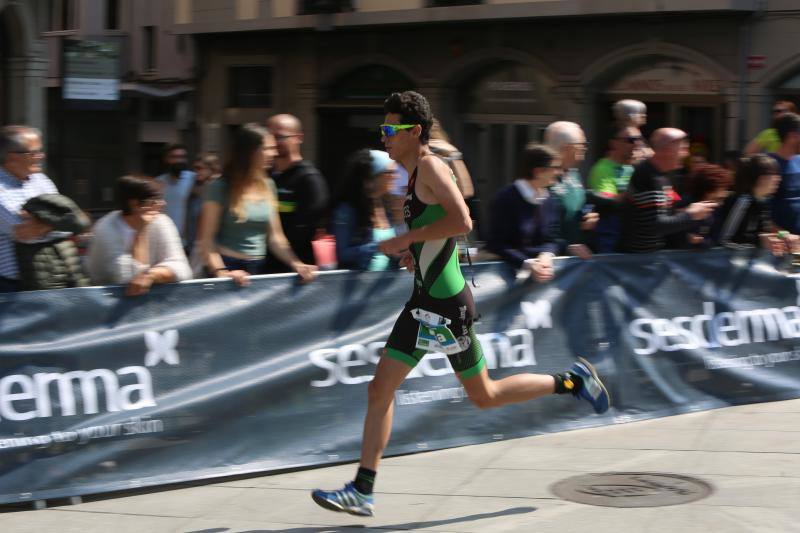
240, 208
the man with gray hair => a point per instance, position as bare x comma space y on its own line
21, 178
569, 141
649, 215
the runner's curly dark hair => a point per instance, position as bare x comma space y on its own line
413, 108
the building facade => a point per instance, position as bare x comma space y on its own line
98, 132
496, 71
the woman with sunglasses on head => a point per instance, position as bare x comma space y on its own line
240, 207
440, 312
137, 245
360, 220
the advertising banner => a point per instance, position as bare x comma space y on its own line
101, 392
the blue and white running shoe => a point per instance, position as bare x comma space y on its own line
347, 500
593, 390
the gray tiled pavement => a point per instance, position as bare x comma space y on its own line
750, 454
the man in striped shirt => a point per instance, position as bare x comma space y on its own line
21, 179
650, 215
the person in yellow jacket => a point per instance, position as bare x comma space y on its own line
768, 142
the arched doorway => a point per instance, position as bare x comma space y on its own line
499, 107
677, 93
351, 111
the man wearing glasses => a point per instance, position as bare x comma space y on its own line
578, 219
21, 179
303, 194
768, 140
440, 312
525, 218
609, 179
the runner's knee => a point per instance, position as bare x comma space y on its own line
378, 393
483, 398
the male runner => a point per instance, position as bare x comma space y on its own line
440, 312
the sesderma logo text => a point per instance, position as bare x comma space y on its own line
86, 392
714, 330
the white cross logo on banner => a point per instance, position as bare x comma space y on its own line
161, 347
537, 315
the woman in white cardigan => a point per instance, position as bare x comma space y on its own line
137, 245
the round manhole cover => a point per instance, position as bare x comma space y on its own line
632, 489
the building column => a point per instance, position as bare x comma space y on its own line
759, 109
574, 99
731, 120
576, 104
307, 94
26, 91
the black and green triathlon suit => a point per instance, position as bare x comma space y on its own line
439, 287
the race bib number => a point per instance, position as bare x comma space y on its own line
433, 334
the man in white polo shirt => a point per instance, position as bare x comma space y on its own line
21, 178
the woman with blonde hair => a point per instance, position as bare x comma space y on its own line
240, 207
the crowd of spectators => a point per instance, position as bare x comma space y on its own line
261, 211
649, 195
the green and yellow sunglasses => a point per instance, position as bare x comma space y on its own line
390, 130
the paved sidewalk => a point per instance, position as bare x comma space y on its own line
750, 454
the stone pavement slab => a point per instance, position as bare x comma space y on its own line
750, 455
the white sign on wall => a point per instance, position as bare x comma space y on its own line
91, 70
91, 89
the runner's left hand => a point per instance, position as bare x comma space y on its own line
394, 246
407, 261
